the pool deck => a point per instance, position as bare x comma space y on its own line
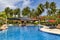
3, 27
46, 29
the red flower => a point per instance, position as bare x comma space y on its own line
52, 21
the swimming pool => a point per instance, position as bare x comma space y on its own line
26, 33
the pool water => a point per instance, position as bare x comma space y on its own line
26, 33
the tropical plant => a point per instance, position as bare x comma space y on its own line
18, 11
2, 14
40, 9
53, 7
15, 12
7, 11
26, 11
32, 14
49, 12
58, 13
11, 13
47, 5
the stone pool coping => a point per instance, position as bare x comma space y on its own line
46, 29
3, 27
53, 31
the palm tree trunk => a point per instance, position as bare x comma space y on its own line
6, 19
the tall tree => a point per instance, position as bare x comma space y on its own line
53, 7
49, 12
40, 9
47, 5
32, 13
7, 11
11, 12
26, 11
58, 13
17, 12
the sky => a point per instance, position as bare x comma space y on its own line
24, 3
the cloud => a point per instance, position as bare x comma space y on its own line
7, 3
11, 3
26, 3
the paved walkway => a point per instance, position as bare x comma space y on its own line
3, 27
54, 31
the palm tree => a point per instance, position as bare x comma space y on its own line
58, 13
49, 12
26, 11
33, 10
18, 11
32, 13
47, 5
53, 7
11, 13
40, 9
15, 12
7, 11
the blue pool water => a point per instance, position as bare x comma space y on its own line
26, 33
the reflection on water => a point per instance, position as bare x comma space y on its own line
26, 33
4, 31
